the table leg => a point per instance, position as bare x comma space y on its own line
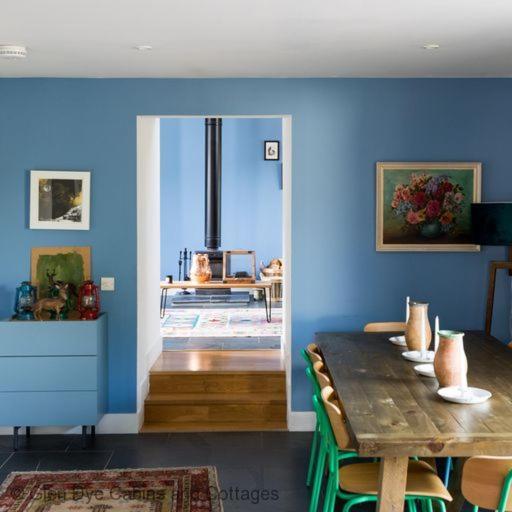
162, 303
392, 481
268, 304
454, 487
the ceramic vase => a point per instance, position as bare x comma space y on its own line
200, 271
418, 326
450, 362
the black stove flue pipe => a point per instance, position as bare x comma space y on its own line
213, 183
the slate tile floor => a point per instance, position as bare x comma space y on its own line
248, 461
213, 343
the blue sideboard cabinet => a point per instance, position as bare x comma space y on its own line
53, 373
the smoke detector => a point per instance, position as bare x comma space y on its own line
12, 52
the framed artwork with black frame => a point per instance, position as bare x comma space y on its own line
272, 151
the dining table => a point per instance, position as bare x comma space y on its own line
393, 413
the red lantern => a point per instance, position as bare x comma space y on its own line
88, 301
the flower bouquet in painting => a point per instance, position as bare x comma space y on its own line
426, 206
429, 204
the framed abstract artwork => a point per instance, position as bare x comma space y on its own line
59, 199
426, 206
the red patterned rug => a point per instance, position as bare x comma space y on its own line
127, 490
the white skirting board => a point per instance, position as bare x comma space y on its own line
130, 424
109, 424
304, 421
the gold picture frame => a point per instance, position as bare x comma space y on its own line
426, 206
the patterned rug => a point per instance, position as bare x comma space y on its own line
137, 490
218, 322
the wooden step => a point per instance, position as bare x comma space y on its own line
232, 382
214, 398
213, 427
216, 392
224, 413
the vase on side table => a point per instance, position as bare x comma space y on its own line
450, 363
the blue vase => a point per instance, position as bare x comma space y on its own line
431, 229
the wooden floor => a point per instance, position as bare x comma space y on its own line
200, 391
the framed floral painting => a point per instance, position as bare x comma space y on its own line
426, 206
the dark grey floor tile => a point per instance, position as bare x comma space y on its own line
4, 457
71, 460
23, 461
240, 478
121, 441
52, 443
5, 444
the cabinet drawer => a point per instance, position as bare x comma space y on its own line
48, 408
48, 373
65, 338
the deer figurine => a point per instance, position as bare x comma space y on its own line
56, 304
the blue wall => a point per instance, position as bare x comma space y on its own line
251, 194
341, 127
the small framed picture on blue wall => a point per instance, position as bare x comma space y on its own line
272, 150
59, 199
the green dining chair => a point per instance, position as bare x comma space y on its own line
358, 483
486, 483
311, 355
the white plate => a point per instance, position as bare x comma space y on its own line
415, 356
464, 396
427, 370
398, 340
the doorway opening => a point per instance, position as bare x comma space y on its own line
214, 240
221, 234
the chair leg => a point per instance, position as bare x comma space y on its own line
411, 506
330, 495
319, 473
313, 455
356, 501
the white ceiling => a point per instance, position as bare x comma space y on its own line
258, 38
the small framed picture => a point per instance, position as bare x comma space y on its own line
60, 199
272, 150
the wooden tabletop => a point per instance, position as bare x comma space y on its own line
213, 285
393, 412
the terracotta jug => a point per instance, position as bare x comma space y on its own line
450, 363
200, 271
417, 324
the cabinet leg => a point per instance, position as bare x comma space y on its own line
84, 437
15, 438
27, 432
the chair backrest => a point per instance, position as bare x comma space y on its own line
321, 375
385, 327
336, 418
484, 479
314, 382
311, 354
325, 427
314, 353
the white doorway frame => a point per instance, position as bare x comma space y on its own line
149, 344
